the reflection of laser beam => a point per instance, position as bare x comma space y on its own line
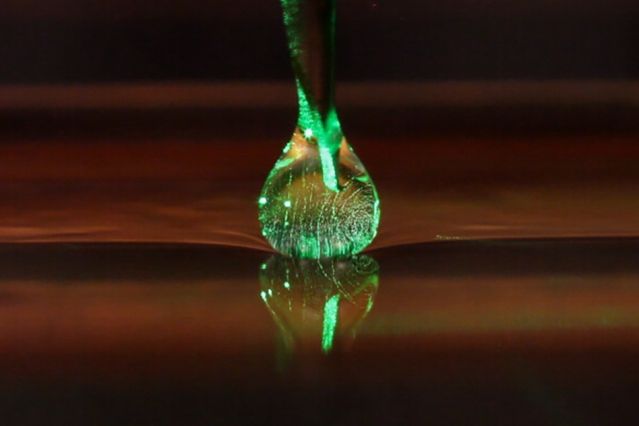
318, 303
331, 311
286, 335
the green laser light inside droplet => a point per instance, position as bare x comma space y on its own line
318, 201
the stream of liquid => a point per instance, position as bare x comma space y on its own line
318, 201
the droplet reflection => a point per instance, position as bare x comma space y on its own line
318, 304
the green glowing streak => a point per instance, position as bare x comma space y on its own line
331, 313
331, 206
327, 133
310, 27
328, 169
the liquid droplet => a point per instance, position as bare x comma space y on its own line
303, 217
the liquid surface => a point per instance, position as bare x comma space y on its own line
302, 217
193, 192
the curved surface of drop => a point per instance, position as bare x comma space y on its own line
302, 217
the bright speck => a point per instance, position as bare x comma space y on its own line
287, 285
288, 204
308, 133
262, 201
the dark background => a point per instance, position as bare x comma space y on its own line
63, 41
